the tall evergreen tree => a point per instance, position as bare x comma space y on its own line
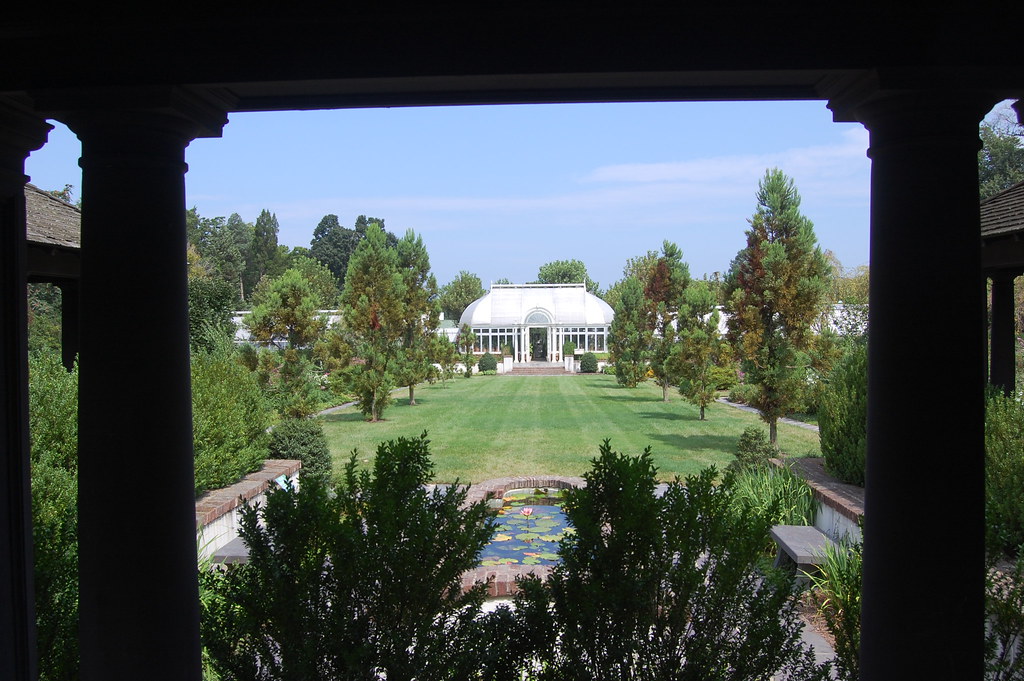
286, 309
265, 258
421, 312
664, 288
776, 286
373, 311
630, 334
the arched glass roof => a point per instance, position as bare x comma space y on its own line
540, 304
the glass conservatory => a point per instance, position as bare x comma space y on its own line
532, 322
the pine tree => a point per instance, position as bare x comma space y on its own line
664, 290
775, 288
630, 334
373, 311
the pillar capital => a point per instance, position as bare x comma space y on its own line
177, 110
22, 131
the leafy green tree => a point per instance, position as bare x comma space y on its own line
373, 312
456, 295
640, 268
776, 287
333, 245
630, 335
446, 355
420, 312
1001, 159
843, 419
566, 272
286, 309
663, 290
44, 317
322, 283
226, 249
700, 346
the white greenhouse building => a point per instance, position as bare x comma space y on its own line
532, 322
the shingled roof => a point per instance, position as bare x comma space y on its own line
1002, 229
51, 221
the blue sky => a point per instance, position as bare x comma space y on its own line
501, 190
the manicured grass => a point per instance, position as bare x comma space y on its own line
491, 426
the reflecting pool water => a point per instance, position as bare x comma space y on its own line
530, 525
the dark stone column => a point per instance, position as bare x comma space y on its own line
21, 131
923, 593
1002, 361
137, 559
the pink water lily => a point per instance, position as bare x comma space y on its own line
526, 511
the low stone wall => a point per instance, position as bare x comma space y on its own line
840, 506
218, 512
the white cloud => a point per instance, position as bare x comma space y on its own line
821, 166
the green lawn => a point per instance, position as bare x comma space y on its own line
492, 426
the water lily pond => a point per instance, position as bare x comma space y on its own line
530, 525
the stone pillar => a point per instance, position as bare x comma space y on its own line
139, 612
1002, 360
21, 132
923, 592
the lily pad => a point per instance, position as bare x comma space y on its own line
531, 561
502, 537
548, 556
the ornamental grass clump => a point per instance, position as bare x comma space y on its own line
660, 588
837, 588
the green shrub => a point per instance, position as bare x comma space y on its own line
229, 420
53, 429
362, 585
487, 363
609, 370
843, 419
659, 588
1004, 473
568, 349
588, 363
489, 372
303, 439
754, 449
744, 393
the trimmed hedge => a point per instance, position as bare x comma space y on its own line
488, 362
303, 439
588, 363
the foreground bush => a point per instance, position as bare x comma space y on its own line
661, 588
843, 419
229, 420
1004, 473
360, 586
303, 439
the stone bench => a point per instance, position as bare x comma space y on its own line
800, 548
